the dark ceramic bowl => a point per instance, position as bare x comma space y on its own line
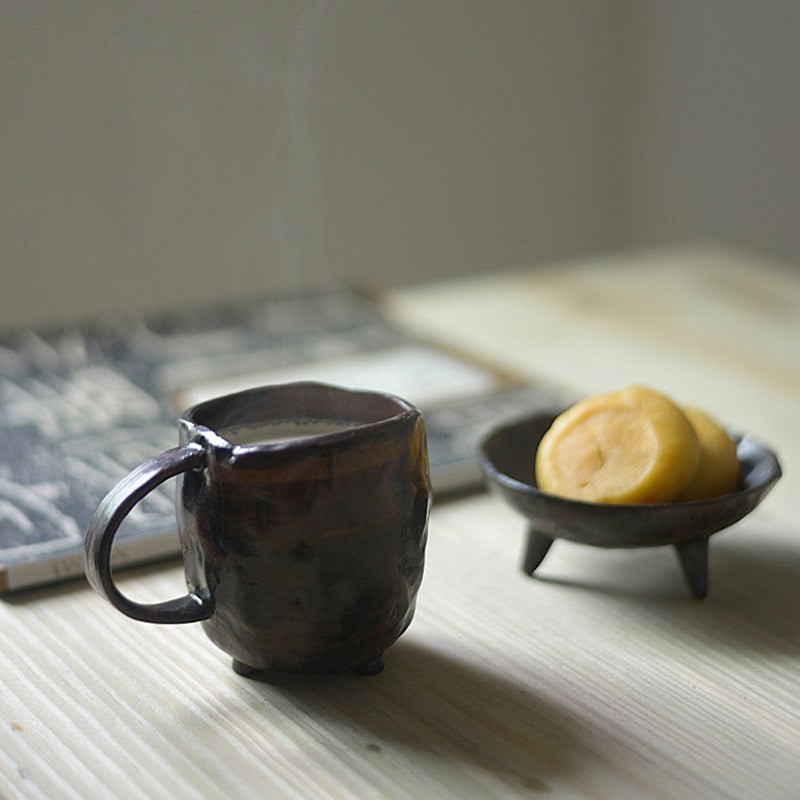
507, 455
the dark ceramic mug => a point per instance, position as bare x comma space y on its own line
302, 512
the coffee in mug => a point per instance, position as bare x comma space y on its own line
282, 430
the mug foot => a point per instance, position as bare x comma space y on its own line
240, 668
371, 667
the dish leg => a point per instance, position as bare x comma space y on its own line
535, 550
694, 560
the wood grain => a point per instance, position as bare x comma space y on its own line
598, 678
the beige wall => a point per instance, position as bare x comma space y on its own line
166, 153
713, 115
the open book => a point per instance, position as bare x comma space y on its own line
81, 406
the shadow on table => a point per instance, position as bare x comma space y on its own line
760, 582
453, 717
753, 600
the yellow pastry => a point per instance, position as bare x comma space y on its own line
718, 469
630, 446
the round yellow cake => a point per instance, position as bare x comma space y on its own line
631, 446
718, 469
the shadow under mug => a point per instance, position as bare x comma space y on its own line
302, 552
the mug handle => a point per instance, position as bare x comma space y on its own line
105, 522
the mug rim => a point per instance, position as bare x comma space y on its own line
378, 410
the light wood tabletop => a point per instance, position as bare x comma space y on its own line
598, 677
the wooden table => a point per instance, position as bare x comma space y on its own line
600, 677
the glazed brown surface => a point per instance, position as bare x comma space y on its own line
300, 556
